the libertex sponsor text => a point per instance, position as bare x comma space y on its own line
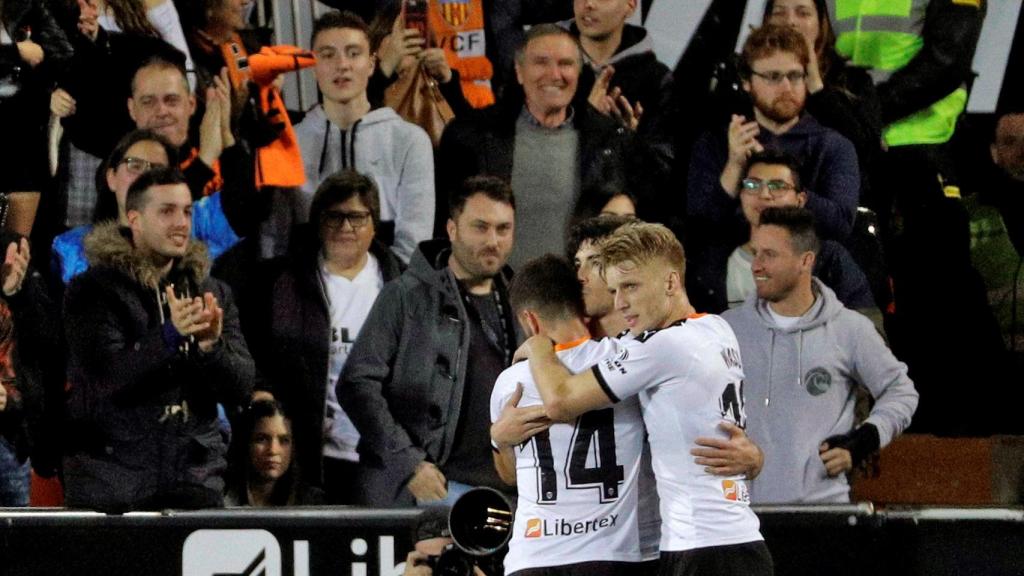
541, 527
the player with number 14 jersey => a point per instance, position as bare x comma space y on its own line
579, 481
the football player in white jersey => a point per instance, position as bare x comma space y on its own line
578, 481
687, 371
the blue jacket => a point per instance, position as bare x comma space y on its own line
208, 225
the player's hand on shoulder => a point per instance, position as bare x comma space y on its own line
516, 425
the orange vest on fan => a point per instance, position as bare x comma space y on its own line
457, 26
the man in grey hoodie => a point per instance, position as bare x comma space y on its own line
804, 355
344, 133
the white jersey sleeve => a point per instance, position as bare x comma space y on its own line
505, 387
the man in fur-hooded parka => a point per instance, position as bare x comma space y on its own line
153, 345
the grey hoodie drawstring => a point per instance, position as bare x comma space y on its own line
771, 366
800, 360
348, 149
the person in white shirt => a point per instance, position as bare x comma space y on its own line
320, 302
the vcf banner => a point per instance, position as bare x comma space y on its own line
339, 542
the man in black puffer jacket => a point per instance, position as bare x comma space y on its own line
154, 345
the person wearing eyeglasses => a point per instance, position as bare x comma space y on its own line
773, 181
320, 301
137, 153
774, 71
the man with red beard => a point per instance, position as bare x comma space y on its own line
774, 69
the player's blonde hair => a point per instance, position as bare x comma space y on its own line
642, 243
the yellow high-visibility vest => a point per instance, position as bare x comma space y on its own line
885, 35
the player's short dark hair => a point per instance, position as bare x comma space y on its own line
341, 186
799, 222
592, 230
548, 286
138, 192
779, 158
491, 186
339, 19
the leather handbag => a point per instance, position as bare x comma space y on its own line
416, 97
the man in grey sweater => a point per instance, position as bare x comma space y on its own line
804, 355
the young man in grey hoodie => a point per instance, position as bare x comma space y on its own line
344, 133
804, 355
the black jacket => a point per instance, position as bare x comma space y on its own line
402, 384
300, 333
35, 332
30, 19
143, 410
644, 80
483, 142
100, 82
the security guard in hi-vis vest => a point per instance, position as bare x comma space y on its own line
457, 26
920, 53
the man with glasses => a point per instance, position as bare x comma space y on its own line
417, 383
804, 356
773, 180
773, 65
136, 153
321, 300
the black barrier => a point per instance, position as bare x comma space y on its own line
282, 542
861, 541
804, 540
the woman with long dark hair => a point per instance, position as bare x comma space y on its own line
261, 469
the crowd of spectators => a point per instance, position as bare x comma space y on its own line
344, 347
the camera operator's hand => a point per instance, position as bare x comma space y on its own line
416, 564
428, 483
